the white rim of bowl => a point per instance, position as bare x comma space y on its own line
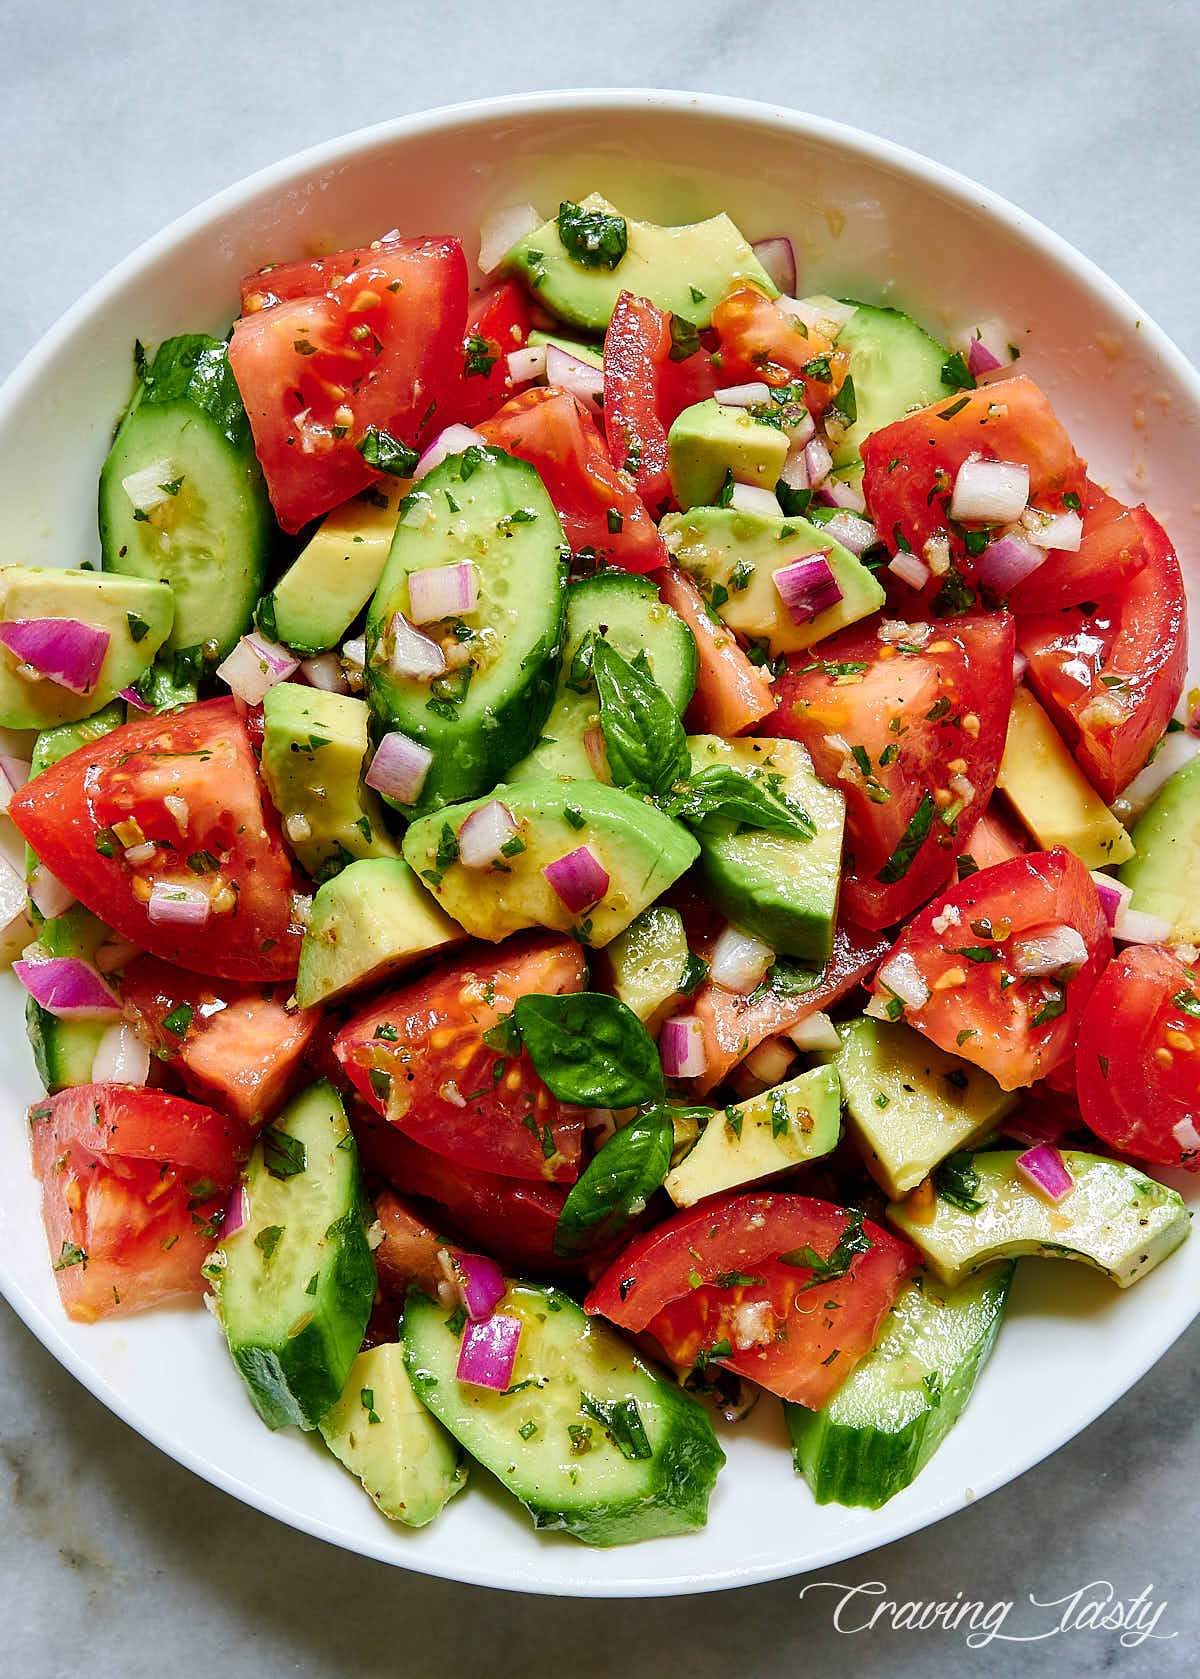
276, 177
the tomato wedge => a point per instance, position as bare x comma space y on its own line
761, 340
236, 1046
965, 951
1111, 551
731, 694
1138, 1063
912, 731
380, 347
647, 385
134, 1185
783, 1289
1111, 677
995, 838
597, 502
187, 785
418, 1055
497, 324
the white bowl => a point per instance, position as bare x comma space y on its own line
869, 220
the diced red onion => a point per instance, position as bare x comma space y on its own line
133, 698
354, 653
854, 534
778, 257
1136, 926
324, 671
1175, 750
841, 492
992, 492
121, 1057
14, 773
901, 976
478, 1282
743, 396
50, 897
484, 834
1113, 895
817, 460
147, 487
980, 359
579, 879
236, 1211
752, 498
1186, 1135
527, 363
489, 1351
501, 231
62, 650
770, 1060
68, 988
580, 378
1063, 531
14, 899
1008, 561
681, 1047
116, 953
739, 960
794, 471
413, 653
255, 666
455, 440
399, 768
909, 569
807, 587
1020, 665
442, 591
815, 1032
818, 312
1044, 1169
176, 903
1051, 952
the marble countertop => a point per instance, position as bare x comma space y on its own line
113, 1560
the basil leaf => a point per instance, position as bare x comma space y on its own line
789, 979
616, 1185
956, 1181
647, 748
195, 368
590, 1049
595, 238
621, 1421
685, 338
853, 1241
386, 453
751, 801
283, 1155
910, 842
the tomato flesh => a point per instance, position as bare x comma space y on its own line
134, 1186
760, 340
711, 1287
912, 731
84, 815
1138, 1063
961, 948
418, 1055
497, 324
1112, 551
731, 694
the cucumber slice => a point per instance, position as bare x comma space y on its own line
490, 510
896, 366
896, 1407
198, 517
628, 612
63, 1050
543, 1438
294, 1285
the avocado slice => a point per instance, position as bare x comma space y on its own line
683, 270
733, 557
784, 890
1165, 866
1051, 794
136, 613
783, 1128
649, 964
380, 1431
334, 575
371, 921
710, 439
909, 1103
314, 744
896, 367
642, 851
1115, 1219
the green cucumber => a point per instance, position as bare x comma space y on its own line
586, 1436
63, 1050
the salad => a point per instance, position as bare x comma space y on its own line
601, 848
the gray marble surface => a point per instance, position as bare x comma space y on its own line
115, 119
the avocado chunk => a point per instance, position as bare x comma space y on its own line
733, 557
710, 439
1165, 867
642, 851
371, 921
587, 1437
783, 1128
896, 367
909, 1104
380, 1431
488, 510
334, 575
782, 889
573, 346
628, 613
899, 1403
1115, 1219
683, 270
314, 744
1051, 794
136, 613
63, 1050
650, 966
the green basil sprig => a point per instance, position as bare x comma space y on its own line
756, 801
594, 238
590, 1049
647, 748
616, 1184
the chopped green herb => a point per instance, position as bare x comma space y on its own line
283, 1155
593, 238
268, 1240
386, 453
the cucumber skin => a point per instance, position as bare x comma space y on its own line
867, 1467
685, 1467
63, 1050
